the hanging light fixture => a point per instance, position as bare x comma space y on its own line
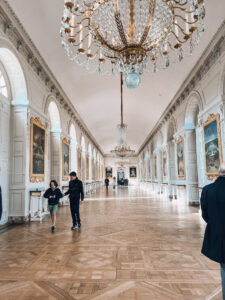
122, 150
129, 36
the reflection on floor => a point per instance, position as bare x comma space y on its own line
133, 245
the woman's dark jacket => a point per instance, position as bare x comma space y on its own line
213, 212
76, 190
50, 192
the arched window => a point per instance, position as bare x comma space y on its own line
54, 116
3, 87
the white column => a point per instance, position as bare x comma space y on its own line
4, 156
191, 167
159, 168
90, 167
73, 155
56, 155
171, 169
83, 165
19, 171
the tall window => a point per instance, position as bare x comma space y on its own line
3, 87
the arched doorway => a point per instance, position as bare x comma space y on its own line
190, 142
13, 132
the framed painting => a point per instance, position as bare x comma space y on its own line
79, 158
37, 150
108, 172
181, 173
212, 146
155, 167
87, 166
65, 159
164, 162
133, 172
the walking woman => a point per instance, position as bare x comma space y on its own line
53, 194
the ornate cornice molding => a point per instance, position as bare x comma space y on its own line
12, 28
211, 54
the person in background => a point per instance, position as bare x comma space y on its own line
76, 193
114, 182
53, 194
107, 183
213, 212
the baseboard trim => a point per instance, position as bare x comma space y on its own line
7, 227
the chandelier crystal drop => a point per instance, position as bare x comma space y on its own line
122, 150
111, 36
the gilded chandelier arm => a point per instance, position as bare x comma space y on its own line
149, 22
119, 22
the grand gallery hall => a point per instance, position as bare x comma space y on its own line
112, 149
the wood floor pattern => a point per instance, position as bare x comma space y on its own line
133, 245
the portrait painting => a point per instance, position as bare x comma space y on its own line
37, 150
164, 161
212, 146
180, 159
108, 172
65, 159
155, 167
133, 172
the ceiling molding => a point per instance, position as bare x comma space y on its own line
211, 54
12, 28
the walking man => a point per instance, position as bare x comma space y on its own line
75, 192
213, 212
107, 184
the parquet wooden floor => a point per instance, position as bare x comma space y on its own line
133, 245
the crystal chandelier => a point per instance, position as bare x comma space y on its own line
122, 150
130, 36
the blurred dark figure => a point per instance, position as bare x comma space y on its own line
213, 212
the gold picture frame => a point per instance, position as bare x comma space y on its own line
65, 159
212, 146
165, 163
79, 163
181, 168
37, 150
133, 172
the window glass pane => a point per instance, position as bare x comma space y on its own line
4, 92
2, 81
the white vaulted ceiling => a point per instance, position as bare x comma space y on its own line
96, 97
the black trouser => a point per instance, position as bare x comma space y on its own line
75, 210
